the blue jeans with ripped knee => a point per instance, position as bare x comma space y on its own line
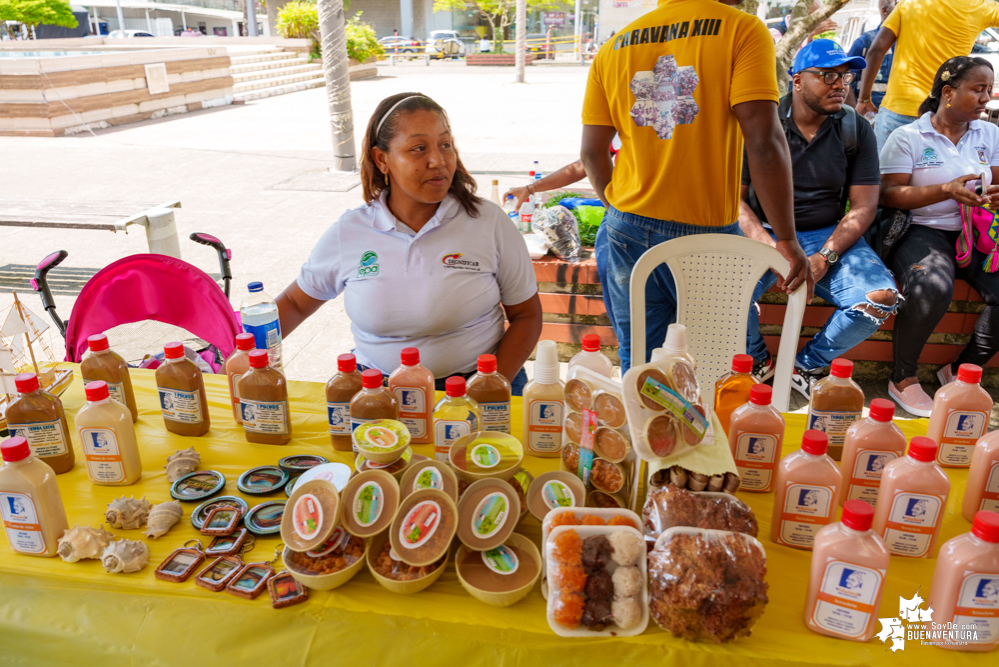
846, 285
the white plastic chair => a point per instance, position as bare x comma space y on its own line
715, 275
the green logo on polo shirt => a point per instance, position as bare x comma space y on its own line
369, 264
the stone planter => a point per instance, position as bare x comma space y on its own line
366, 70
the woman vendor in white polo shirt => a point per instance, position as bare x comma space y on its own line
931, 167
425, 263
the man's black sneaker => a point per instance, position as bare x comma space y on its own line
763, 370
803, 381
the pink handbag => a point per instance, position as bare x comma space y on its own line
979, 228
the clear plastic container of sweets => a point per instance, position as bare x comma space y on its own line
544, 404
870, 445
807, 486
756, 435
911, 501
340, 390
31, 507
413, 387
374, 401
38, 417
236, 365
591, 357
108, 439
732, 389
491, 391
849, 565
263, 400
182, 394
837, 402
982, 489
455, 416
104, 364
965, 587
960, 416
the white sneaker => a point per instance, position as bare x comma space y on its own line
945, 375
912, 399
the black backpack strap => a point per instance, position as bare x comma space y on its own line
848, 132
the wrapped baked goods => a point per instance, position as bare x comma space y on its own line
707, 585
662, 401
671, 506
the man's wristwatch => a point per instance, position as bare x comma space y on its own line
864, 101
830, 255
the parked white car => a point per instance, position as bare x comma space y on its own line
445, 44
120, 34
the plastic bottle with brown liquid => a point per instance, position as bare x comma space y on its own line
374, 401
105, 365
837, 402
108, 439
263, 401
492, 392
732, 389
236, 365
413, 387
31, 508
182, 393
340, 390
38, 417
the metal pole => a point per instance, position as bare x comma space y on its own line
121, 17
251, 17
149, 22
578, 29
521, 41
332, 30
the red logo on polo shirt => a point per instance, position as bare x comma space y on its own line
455, 261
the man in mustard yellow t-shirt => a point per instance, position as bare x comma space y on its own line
681, 86
928, 32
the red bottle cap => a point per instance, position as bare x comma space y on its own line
258, 359
372, 379
742, 363
26, 383
591, 343
486, 363
455, 386
923, 449
841, 368
857, 515
97, 342
969, 373
815, 442
173, 350
882, 410
531, 174
16, 449
410, 356
346, 363
760, 394
245, 341
96, 391
985, 525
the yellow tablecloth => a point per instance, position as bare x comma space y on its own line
53, 612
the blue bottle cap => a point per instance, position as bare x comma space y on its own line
256, 286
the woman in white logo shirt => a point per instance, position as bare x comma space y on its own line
425, 263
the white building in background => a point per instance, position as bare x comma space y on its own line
165, 19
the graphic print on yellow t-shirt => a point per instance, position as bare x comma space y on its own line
664, 97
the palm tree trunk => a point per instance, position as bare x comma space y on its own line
332, 28
520, 46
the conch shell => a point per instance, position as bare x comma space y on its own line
127, 513
83, 542
125, 556
181, 462
162, 517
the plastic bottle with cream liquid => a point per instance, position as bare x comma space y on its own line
38, 417
105, 365
181, 389
491, 391
236, 366
982, 490
374, 401
455, 416
263, 401
870, 445
108, 439
755, 436
960, 416
591, 357
31, 508
675, 344
807, 486
340, 391
544, 404
413, 388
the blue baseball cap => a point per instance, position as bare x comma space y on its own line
823, 53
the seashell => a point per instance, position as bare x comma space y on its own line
83, 542
162, 517
127, 513
125, 556
182, 462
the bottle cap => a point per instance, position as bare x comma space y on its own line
244, 341
372, 379
760, 394
258, 359
531, 174
841, 368
97, 342
495, 182
96, 391
546, 362
969, 373
410, 356
742, 363
658, 353
455, 385
882, 410
486, 363
255, 286
815, 442
857, 515
26, 383
173, 350
591, 343
923, 449
676, 338
346, 363
17, 449
985, 525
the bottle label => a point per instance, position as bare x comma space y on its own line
807, 508
100, 449
544, 428
420, 524
978, 605
116, 389
339, 418
234, 383
557, 494
20, 520
681, 408
990, 497
413, 409
866, 475
354, 423
445, 434
490, 515
496, 416
848, 597
369, 501
180, 406
265, 336
913, 520
429, 478
962, 431
587, 440
269, 417
45, 438
756, 457
833, 423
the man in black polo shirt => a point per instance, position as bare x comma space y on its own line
832, 162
